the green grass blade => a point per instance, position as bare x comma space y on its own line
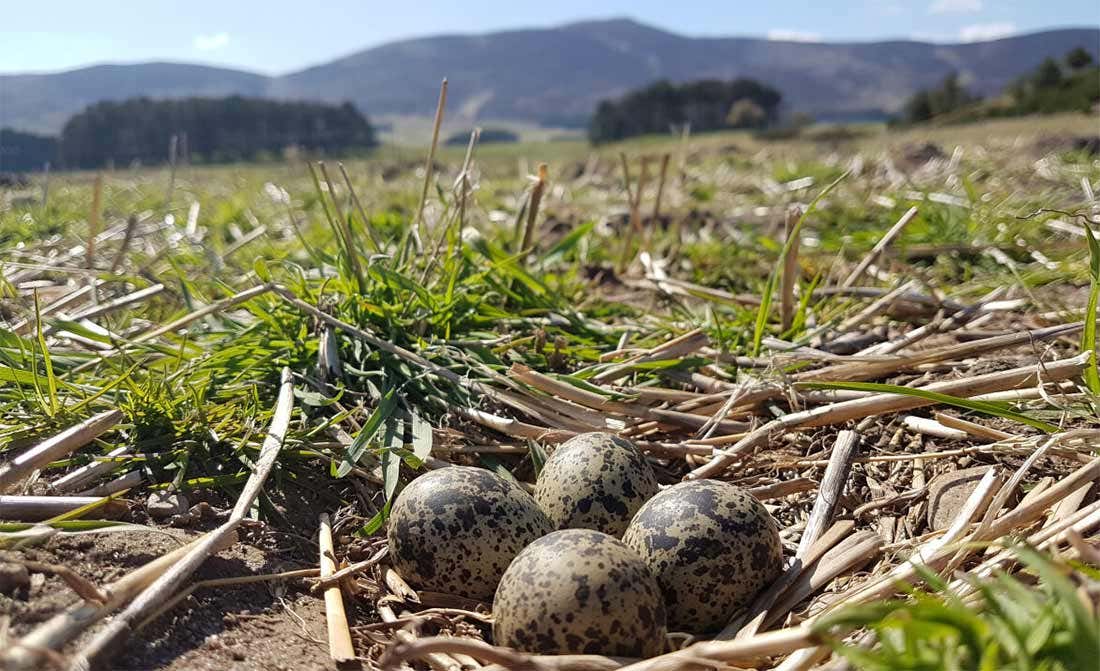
764, 311
51, 380
421, 436
362, 441
390, 455
1088, 337
985, 407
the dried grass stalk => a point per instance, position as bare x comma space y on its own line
754, 618
790, 269
55, 633
56, 447
879, 404
38, 508
340, 648
879, 247
98, 651
429, 166
832, 486
533, 209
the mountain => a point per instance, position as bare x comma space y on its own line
561, 73
43, 102
557, 75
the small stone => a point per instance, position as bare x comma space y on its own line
947, 494
14, 578
203, 511
164, 504
183, 520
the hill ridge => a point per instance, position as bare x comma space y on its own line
555, 75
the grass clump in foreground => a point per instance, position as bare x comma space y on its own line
660, 323
1047, 620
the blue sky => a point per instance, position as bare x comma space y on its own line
278, 36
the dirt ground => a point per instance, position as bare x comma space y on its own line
276, 625
265, 625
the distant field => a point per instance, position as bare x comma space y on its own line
555, 144
416, 131
370, 334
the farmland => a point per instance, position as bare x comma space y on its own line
733, 305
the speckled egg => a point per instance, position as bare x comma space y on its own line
595, 481
456, 529
712, 546
579, 591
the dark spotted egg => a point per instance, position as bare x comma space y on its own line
712, 546
595, 481
579, 591
456, 529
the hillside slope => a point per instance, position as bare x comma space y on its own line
43, 102
556, 75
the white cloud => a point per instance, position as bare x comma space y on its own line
955, 6
981, 32
782, 35
211, 42
931, 37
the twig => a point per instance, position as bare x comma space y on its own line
635, 199
886, 501
336, 578
533, 209
115, 304
38, 508
930, 427
97, 651
850, 554
662, 175
56, 447
216, 306
83, 587
94, 220
832, 486
879, 247
749, 625
972, 428
878, 404
340, 648
224, 582
790, 269
85, 473
676, 348
783, 488
1087, 551
464, 176
429, 165
738, 652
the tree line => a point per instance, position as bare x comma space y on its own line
24, 152
706, 105
1068, 85
210, 130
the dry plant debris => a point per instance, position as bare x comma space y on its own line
830, 328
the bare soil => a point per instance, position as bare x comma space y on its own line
275, 625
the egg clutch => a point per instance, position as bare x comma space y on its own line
598, 561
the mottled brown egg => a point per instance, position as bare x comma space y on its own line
595, 481
712, 546
456, 529
579, 591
